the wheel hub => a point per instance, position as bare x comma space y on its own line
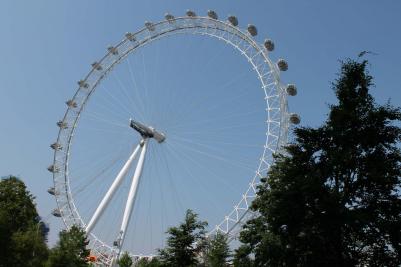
147, 131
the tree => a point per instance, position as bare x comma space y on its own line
23, 235
184, 243
241, 257
333, 199
125, 260
154, 262
70, 250
218, 251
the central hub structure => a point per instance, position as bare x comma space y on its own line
147, 131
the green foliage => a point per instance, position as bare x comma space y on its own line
334, 198
125, 260
241, 257
70, 250
154, 262
23, 236
184, 243
218, 251
29, 248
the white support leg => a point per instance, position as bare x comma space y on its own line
131, 196
117, 181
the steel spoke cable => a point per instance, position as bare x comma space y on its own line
85, 195
103, 177
103, 182
161, 191
180, 63
104, 122
155, 79
92, 179
150, 193
105, 106
177, 93
80, 173
165, 110
109, 102
99, 159
176, 197
216, 130
217, 142
215, 119
179, 155
221, 157
162, 173
213, 174
122, 105
105, 109
126, 133
189, 141
125, 91
202, 167
88, 204
92, 116
215, 157
145, 85
136, 90
109, 157
216, 149
212, 59
195, 106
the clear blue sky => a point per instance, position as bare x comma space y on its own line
46, 46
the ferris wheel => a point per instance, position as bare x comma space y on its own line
198, 140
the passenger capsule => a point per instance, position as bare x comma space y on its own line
113, 50
233, 20
211, 14
291, 89
150, 26
62, 124
83, 84
169, 17
56, 213
130, 36
56, 146
51, 191
53, 169
269, 45
282, 65
190, 13
97, 66
71, 103
294, 118
252, 30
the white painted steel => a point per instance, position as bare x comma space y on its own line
132, 194
108, 196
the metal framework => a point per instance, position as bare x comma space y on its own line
277, 119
